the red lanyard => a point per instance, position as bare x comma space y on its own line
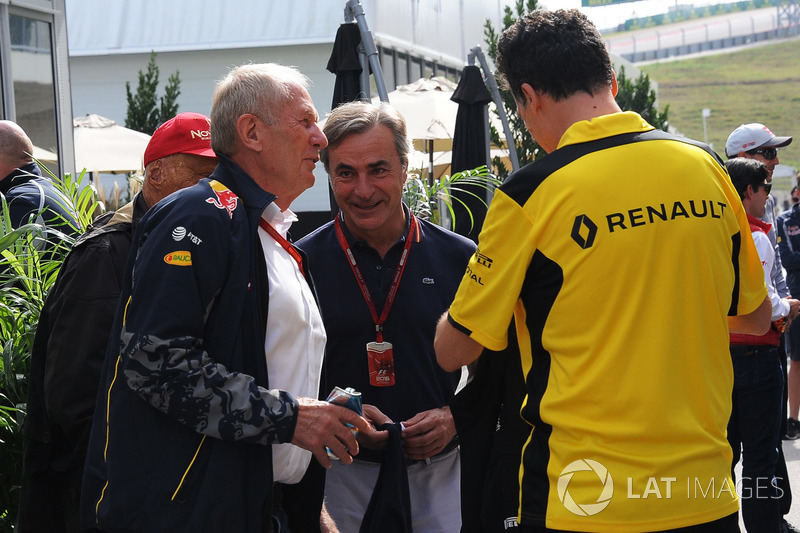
398, 273
286, 245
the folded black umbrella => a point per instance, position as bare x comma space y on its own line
469, 149
345, 65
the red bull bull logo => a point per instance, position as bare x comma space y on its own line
224, 198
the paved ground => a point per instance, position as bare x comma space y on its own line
791, 449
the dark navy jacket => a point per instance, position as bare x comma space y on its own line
788, 224
182, 431
66, 361
28, 193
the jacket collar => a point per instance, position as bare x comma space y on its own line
401, 241
237, 180
759, 224
21, 175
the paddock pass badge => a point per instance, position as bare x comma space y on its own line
381, 364
349, 398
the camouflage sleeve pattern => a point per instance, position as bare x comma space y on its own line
178, 378
190, 283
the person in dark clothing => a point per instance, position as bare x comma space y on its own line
384, 277
754, 426
209, 418
30, 196
74, 326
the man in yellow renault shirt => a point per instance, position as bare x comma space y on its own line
623, 256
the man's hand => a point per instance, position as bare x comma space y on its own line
428, 432
321, 424
794, 310
374, 439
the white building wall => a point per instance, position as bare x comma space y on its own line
98, 85
110, 42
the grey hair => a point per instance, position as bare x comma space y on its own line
258, 89
360, 117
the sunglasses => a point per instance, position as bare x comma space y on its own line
767, 187
768, 153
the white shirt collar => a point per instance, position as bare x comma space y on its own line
280, 220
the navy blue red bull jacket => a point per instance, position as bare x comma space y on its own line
788, 224
182, 431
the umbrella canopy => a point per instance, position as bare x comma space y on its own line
103, 146
44, 156
470, 144
427, 108
431, 114
419, 160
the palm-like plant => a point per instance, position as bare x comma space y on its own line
27, 272
427, 201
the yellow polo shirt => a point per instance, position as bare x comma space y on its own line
620, 255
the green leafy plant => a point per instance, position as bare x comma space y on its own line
427, 200
27, 272
527, 148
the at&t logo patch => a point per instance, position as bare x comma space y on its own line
605, 487
179, 233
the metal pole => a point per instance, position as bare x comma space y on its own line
363, 79
355, 10
492, 83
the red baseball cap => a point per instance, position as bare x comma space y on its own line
186, 133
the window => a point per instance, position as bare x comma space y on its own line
32, 78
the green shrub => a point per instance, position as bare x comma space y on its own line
26, 276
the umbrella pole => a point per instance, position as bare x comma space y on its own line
363, 79
355, 10
492, 82
430, 168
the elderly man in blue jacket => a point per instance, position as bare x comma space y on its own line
27, 192
207, 418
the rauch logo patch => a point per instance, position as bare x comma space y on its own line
178, 258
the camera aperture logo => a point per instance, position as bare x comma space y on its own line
605, 487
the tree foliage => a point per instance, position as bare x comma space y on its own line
146, 111
633, 95
527, 148
638, 96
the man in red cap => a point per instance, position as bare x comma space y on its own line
71, 340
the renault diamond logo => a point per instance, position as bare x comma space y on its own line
584, 231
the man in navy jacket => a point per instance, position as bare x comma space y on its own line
216, 354
27, 192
